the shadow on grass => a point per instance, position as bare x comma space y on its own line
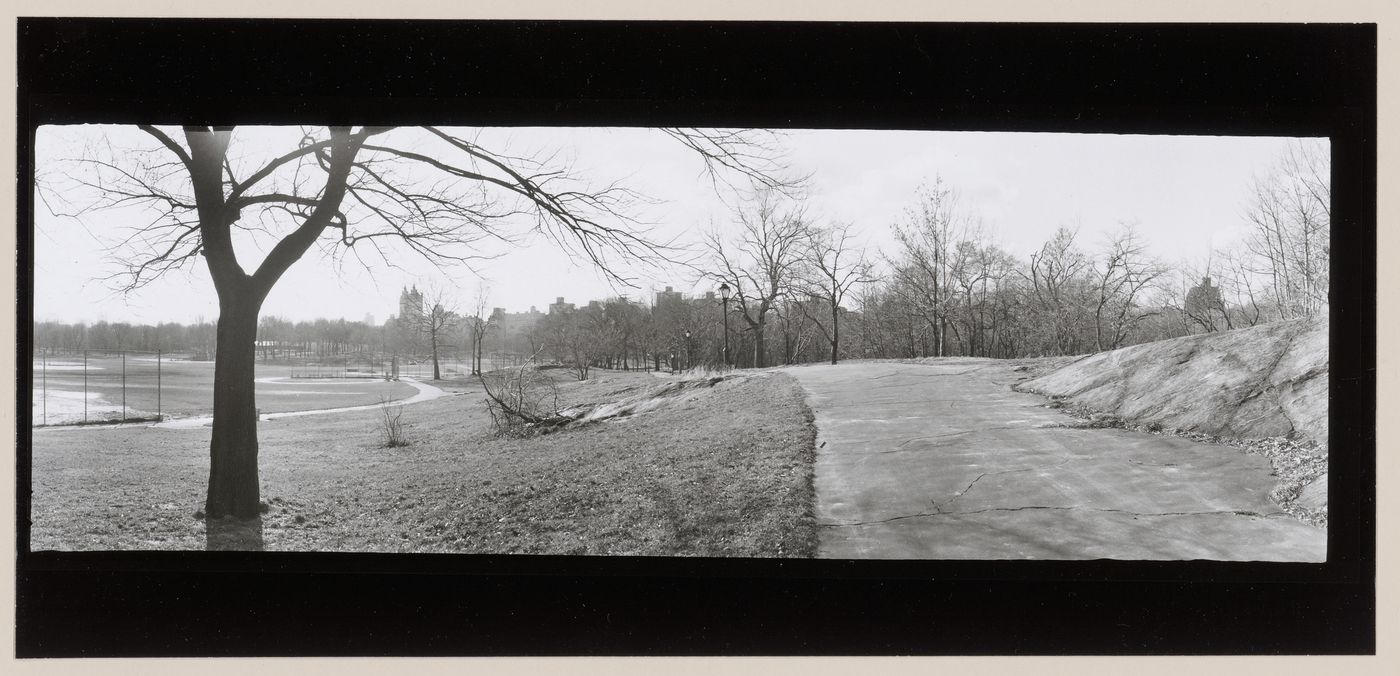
107, 421
231, 534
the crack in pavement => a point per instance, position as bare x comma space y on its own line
906, 442
892, 374
1228, 512
938, 507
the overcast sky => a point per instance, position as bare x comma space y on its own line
1185, 194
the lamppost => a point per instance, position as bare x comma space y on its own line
724, 301
687, 348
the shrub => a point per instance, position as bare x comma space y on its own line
392, 424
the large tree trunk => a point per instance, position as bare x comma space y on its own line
943, 336
233, 450
437, 374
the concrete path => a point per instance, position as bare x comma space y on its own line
945, 461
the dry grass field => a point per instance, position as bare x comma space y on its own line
726, 472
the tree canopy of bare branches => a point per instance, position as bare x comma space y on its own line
434, 321
1291, 214
1123, 273
359, 192
833, 264
761, 262
925, 265
479, 324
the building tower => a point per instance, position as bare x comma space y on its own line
410, 303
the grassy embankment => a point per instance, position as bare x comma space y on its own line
727, 472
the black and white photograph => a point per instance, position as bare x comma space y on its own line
520, 320
681, 342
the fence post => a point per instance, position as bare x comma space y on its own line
123, 386
158, 417
44, 359
84, 385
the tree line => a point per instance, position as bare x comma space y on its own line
277, 337
804, 291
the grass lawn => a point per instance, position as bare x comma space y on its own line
726, 471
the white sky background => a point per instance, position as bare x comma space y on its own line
1185, 193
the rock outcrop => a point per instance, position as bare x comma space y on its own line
1264, 381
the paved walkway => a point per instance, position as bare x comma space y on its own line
945, 461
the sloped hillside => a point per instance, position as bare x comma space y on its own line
1264, 381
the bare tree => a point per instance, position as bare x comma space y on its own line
622, 322
760, 263
833, 264
739, 160
794, 320
1238, 278
1056, 275
1122, 274
479, 324
1204, 302
578, 335
434, 321
980, 268
433, 191
1290, 210
923, 271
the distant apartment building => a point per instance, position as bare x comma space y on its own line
668, 296
514, 322
559, 306
510, 331
410, 303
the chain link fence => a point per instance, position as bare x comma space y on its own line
97, 386
84, 387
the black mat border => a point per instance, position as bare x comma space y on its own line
1106, 78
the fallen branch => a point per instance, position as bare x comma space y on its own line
523, 401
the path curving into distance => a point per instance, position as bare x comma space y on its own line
945, 461
425, 392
